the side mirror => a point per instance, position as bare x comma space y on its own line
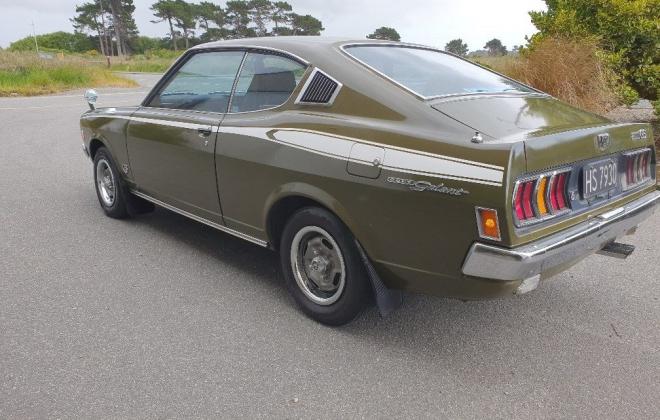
91, 96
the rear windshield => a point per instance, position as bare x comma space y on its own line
432, 73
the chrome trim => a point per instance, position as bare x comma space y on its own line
640, 134
170, 123
170, 110
236, 79
568, 246
481, 234
344, 47
309, 81
221, 46
245, 49
201, 219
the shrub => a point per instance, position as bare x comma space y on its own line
575, 71
54, 41
626, 29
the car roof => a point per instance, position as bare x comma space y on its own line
313, 49
289, 43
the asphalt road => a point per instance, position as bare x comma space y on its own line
163, 317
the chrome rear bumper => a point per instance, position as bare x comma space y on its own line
573, 244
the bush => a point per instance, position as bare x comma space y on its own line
575, 71
626, 29
628, 95
55, 42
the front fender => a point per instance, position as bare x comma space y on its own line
109, 126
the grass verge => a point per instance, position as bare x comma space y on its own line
25, 74
156, 61
143, 66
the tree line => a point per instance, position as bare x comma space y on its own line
238, 19
111, 26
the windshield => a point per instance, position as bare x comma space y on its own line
432, 73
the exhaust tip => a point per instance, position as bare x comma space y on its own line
617, 250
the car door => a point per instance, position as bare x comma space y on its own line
171, 140
245, 157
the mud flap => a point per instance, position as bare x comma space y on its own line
387, 300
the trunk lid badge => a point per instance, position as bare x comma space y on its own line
639, 134
603, 141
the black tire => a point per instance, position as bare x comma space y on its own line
308, 228
113, 198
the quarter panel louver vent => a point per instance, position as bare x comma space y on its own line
320, 89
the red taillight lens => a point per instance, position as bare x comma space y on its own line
561, 191
541, 197
638, 168
629, 171
527, 199
518, 203
553, 193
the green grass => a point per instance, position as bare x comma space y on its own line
26, 74
143, 66
157, 61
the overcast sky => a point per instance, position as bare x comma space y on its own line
431, 22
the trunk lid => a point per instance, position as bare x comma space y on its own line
554, 133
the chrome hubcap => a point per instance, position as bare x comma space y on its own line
105, 182
318, 265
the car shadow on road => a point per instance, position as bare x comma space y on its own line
418, 319
256, 262
421, 321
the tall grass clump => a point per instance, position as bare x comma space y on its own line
575, 71
23, 73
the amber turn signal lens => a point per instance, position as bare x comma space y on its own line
540, 196
489, 227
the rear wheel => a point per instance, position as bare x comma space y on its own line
322, 267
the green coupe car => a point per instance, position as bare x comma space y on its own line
374, 168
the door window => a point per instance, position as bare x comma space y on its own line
266, 81
203, 83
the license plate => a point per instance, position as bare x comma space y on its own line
598, 178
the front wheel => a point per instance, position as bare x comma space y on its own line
322, 267
109, 188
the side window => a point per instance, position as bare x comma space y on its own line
266, 81
203, 83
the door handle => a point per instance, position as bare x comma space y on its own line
205, 132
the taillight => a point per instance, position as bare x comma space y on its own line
540, 197
638, 168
